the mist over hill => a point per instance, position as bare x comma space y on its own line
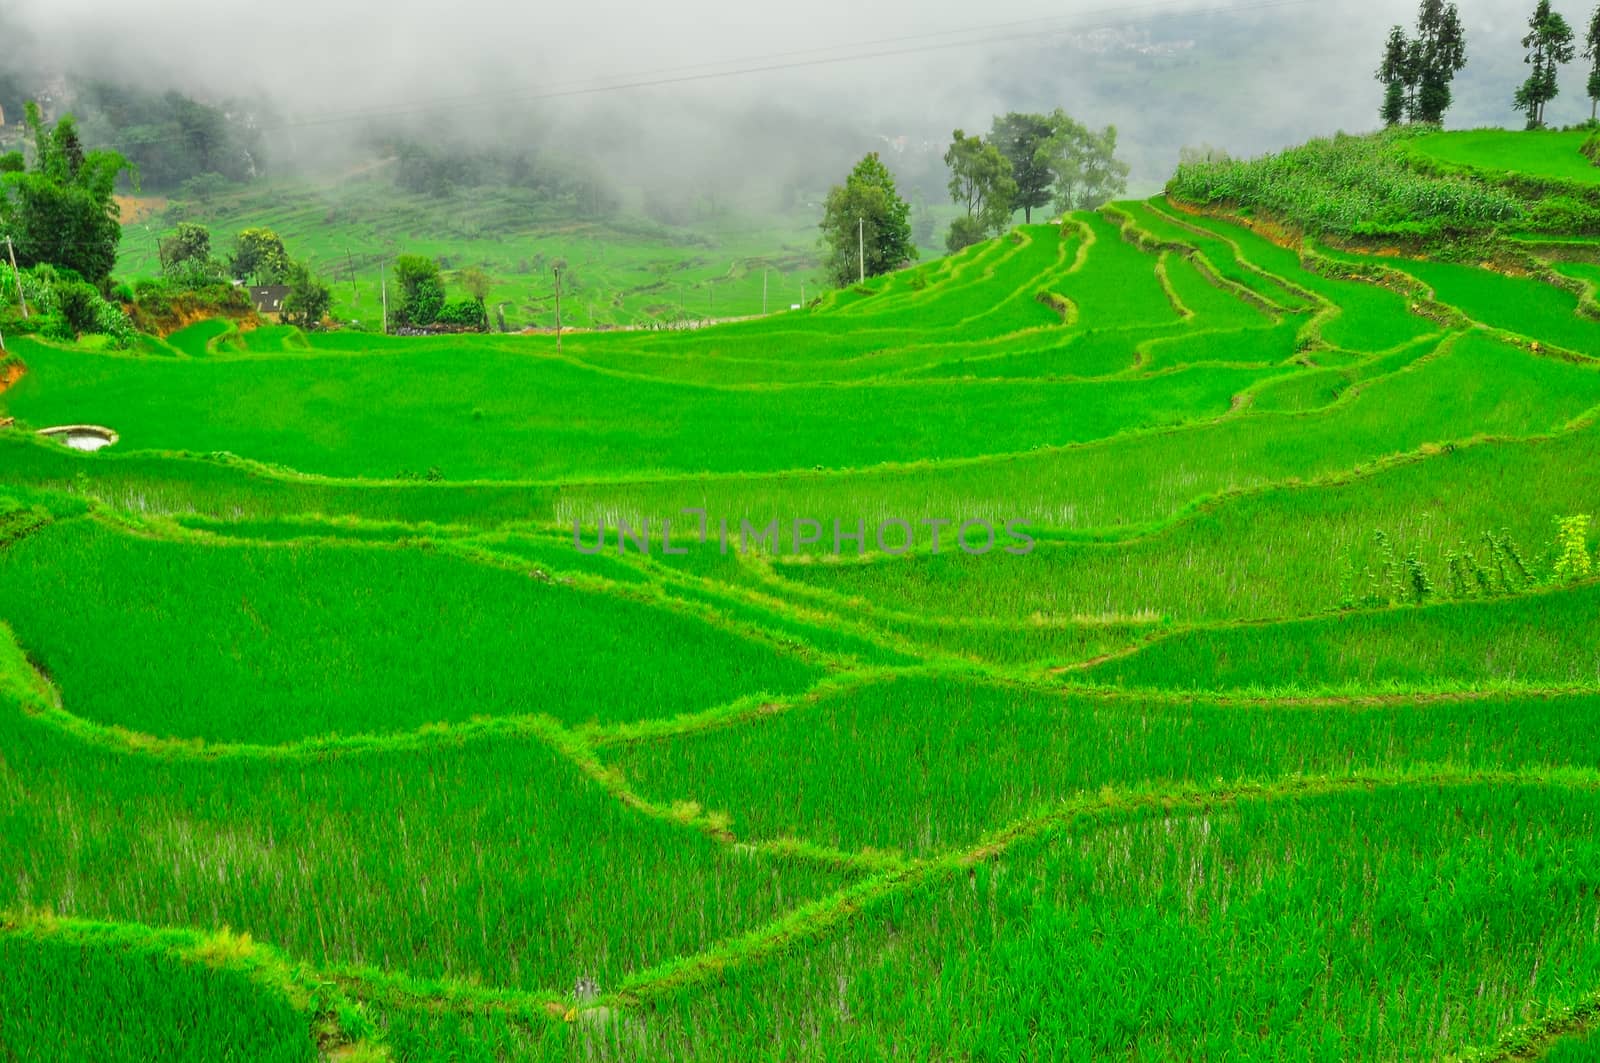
721, 105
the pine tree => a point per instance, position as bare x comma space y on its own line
1549, 44
1440, 54
1394, 74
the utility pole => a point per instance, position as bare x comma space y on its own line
17, 275
355, 293
558, 308
861, 245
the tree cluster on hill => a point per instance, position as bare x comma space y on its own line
1417, 72
59, 219
62, 210
440, 170
174, 141
422, 302
1030, 161
258, 257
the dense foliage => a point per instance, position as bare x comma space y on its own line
1417, 72
171, 138
61, 211
866, 226
1351, 186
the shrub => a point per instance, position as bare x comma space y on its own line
1350, 185
468, 312
425, 301
964, 232
1564, 214
1591, 148
79, 305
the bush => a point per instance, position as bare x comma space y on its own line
195, 273
1591, 148
1350, 185
1564, 214
964, 232
422, 305
79, 305
468, 312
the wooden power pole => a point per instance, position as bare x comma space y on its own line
17, 274
355, 293
558, 309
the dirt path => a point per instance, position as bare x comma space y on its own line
10, 374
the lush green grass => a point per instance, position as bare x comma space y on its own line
271, 644
493, 860
866, 767
1244, 930
112, 1000
479, 411
1283, 552
312, 653
1152, 477
1537, 153
1547, 639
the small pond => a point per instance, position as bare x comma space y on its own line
81, 436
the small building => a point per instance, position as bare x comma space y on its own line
268, 298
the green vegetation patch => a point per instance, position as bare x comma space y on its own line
925, 764
273, 644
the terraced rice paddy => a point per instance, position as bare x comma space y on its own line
1263, 729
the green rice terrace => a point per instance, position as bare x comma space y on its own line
1156, 634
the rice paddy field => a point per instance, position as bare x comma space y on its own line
1137, 637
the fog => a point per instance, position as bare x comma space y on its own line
716, 97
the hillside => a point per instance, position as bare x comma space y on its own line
1178, 641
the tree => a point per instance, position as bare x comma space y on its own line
1019, 137
980, 181
259, 257
1438, 55
204, 187
62, 211
1591, 52
866, 211
1417, 73
477, 284
308, 299
1084, 164
1549, 44
189, 242
1395, 73
421, 292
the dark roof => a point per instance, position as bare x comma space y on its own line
268, 298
